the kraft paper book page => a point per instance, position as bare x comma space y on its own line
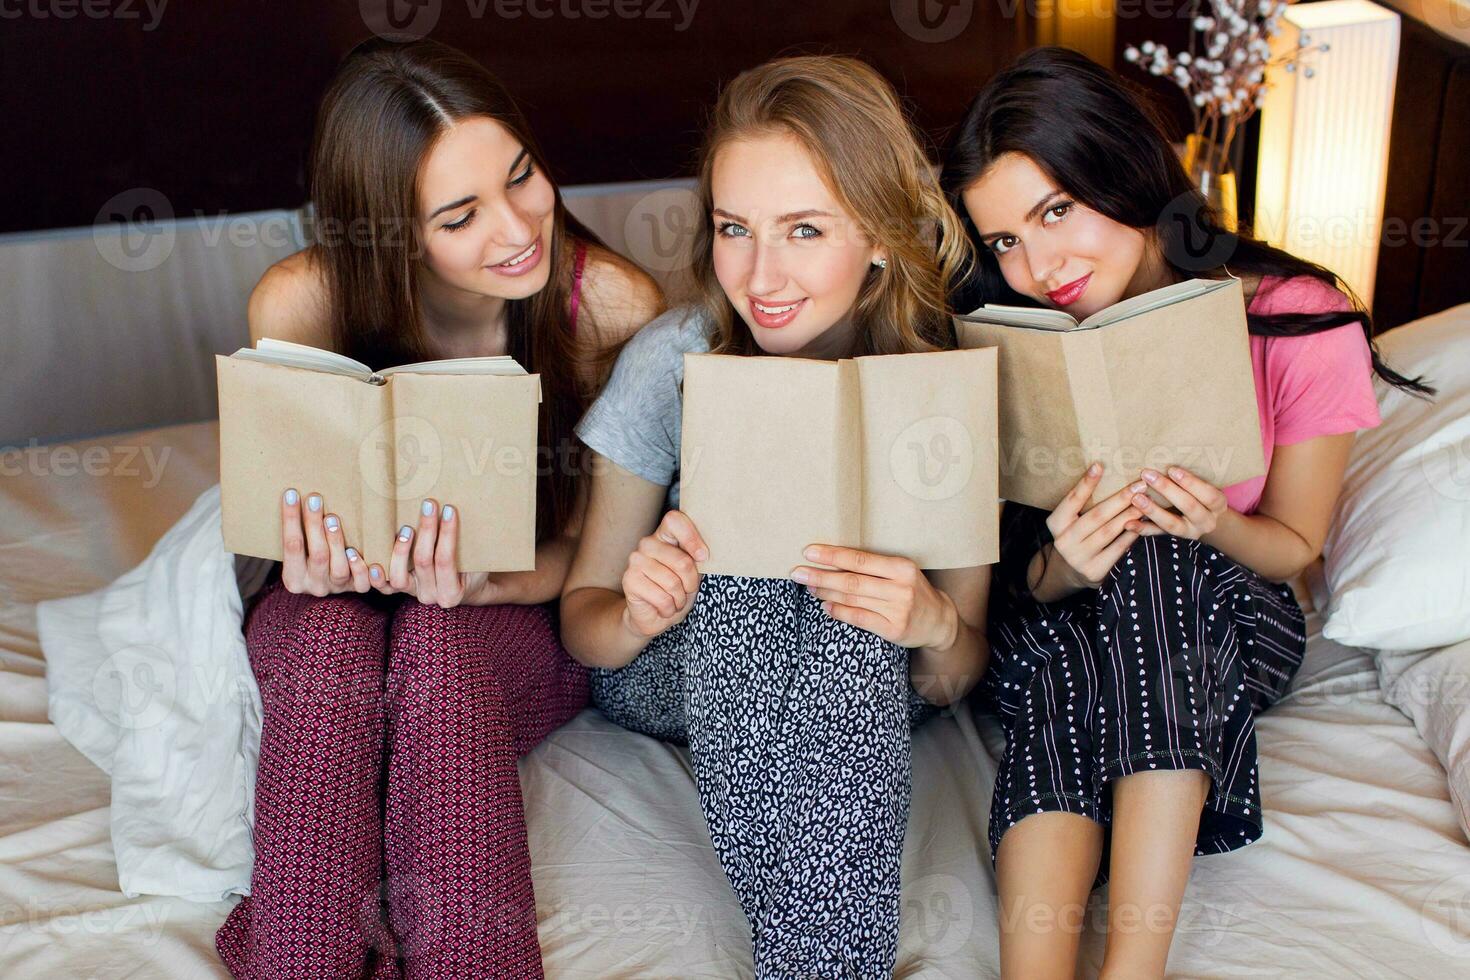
894, 454
1161, 379
374, 444
769, 460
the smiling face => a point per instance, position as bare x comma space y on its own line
1052, 248
789, 257
485, 211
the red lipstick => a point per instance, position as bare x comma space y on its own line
1071, 292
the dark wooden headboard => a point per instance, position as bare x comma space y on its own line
212, 104
1424, 255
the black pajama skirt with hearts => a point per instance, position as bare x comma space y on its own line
1163, 667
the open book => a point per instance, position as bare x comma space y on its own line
374, 444
1161, 379
893, 454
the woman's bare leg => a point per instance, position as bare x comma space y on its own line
1156, 818
1045, 867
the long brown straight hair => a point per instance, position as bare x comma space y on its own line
388, 104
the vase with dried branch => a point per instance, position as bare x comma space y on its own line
1224, 76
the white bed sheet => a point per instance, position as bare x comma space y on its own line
1363, 870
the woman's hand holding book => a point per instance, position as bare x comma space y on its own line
883, 594
1201, 505
661, 579
317, 559
1087, 540
424, 563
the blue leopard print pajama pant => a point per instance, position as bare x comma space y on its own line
799, 730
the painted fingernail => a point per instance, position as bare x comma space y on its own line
449, 512
1094, 469
800, 575
405, 532
332, 522
352, 554
1136, 488
314, 502
1150, 476
292, 496
377, 572
428, 508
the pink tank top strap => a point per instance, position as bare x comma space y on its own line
577, 266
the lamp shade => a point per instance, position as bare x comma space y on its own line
1324, 139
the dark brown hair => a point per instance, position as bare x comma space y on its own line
1104, 146
388, 104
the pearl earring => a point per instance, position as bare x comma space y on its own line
881, 263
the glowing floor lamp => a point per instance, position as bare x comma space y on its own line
1324, 138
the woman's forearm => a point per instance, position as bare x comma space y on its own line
595, 630
540, 584
944, 674
1261, 543
1049, 577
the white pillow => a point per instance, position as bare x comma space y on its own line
1430, 688
1396, 563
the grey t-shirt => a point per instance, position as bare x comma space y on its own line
636, 420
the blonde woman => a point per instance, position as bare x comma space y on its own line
796, 696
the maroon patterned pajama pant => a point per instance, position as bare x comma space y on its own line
388, 783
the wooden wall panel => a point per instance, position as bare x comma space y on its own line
212, 104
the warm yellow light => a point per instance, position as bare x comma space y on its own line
1082, 25
1324, 138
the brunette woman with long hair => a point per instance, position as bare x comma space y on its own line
398, 692
1133, 644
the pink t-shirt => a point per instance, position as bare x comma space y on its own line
1320, 384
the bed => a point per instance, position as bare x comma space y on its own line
1363, 870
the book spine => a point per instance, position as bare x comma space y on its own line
378, 473
849, 458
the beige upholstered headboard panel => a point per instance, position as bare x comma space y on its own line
112, 328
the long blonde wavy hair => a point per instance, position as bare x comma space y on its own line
851, 122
